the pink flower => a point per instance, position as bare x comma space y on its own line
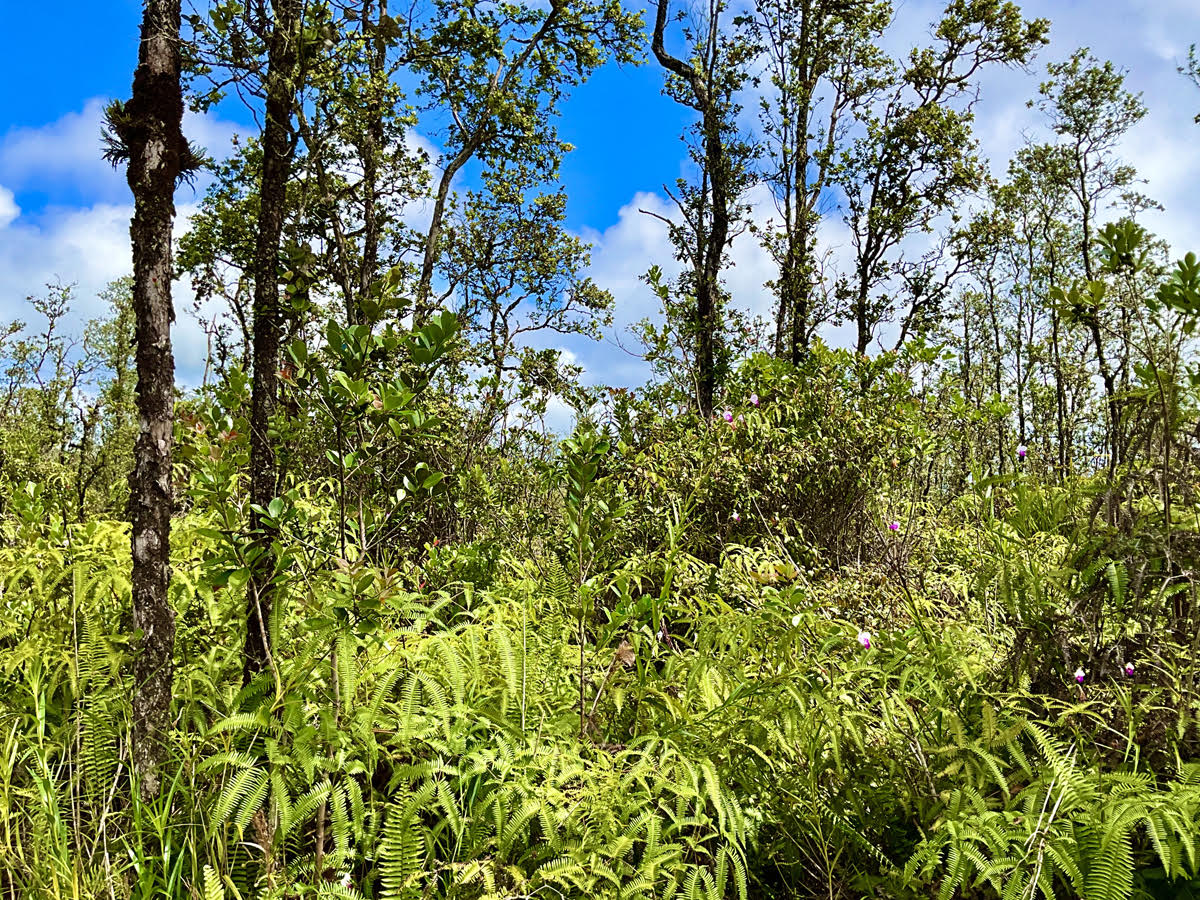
1022, 450
727, 415
1129, 669
736, 516
893, 526
754, 399
1080, 675
864, 638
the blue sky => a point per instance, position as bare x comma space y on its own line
64, 213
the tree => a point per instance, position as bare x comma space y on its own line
518, 277
278, 148
917, 158
1087, 106
107, 415
264, 51
485, 83
359, 170
1035, 198
821, 63
711, 208
499, 73
147, 132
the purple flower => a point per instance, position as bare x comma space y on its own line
727, 415
893, 526
864, 638
1022, 450
1129, 669
754, 399
737, 516
1080, 675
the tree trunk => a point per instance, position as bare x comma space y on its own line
798, 268
150, 130
372, 148
423, 305
276, 168
710, 242
862, 318
798, 286
708, 295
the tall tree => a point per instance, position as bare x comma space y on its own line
359, 169
712, 209
1040, 255
263, 50
821, 61
278, 148
1089, 109
147, 132
518, 276
499, 73
917, 158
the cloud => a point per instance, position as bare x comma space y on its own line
8, 207
1149, 38
626, 250
88, 248
621, 255
63, 159
64, 151
75, 227
81, 237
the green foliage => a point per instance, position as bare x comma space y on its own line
1068, 832
66, 413
738, 741
918, 625
823, 440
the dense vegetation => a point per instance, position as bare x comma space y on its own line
787, 621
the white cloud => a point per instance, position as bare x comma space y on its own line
66, 150
67, 153
626, 250
86, 245
87, 248
621, 254
1149, 38
8, 207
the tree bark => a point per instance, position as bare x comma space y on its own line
708, 291
796, 272
423, 306
150, 131
710, 247
278, 152
862, 317
372, 148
